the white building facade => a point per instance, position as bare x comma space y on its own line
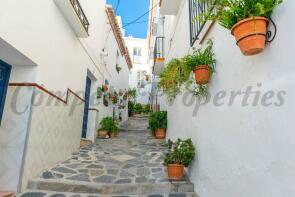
140, 77
54, 55
243, 149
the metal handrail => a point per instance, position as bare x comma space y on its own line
79, 11
197, 12
159, 47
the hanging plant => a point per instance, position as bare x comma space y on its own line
105, 100
201, 62
247, 20
172, 78
125, 96
99, 92
105, 88
118, 68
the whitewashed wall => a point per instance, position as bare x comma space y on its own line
13, 134
243, 151
55, 132
39, 34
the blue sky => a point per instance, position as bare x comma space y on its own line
129, 10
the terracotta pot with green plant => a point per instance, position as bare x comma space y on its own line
181, 154
109, 125
201, 62
158, 124
247, 20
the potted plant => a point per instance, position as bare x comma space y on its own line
118, 68
99, 92
131, 105
105, 88
109, 125
181, 154
158, 124
247, 20
201, 62
106, 100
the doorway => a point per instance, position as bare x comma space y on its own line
86, 107
5, 70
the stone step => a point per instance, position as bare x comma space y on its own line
115, 189
44, 193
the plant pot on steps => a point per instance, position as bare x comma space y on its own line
113, 134
160, 133
250, 35
175, 172
202, 74
102, 134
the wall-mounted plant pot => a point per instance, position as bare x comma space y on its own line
175, 172
250, 35
202, 74
102, 134
105, 88
160, 133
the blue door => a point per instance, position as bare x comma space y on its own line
4, 78
86, 107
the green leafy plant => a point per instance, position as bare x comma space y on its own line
230, 12
138, 109
158, 120
108, 124
132, 93
146, 109
172, 78
201, 57
131, 105
181, 152
99, 92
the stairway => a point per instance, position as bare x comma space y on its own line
130, 165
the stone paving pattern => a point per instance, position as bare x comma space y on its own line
132, 159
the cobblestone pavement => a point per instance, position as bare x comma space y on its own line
129, 165
133, 157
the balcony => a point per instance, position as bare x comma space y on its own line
159, 55
169, 7
73, 12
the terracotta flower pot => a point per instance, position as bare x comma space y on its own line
105, 88
202, 74
102, 134
175, 172
250, 35
160, 133
113, 134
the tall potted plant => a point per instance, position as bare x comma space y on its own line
247, 20
109, 125
158, 124
181, 154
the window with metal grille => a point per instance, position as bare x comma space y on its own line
197, 14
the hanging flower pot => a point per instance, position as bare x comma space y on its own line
175, 172
105, 88
160, 133
202, 74
250, 35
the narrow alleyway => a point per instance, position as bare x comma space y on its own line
130, 165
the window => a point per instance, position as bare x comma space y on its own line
197, 10
4, 78
136, 51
